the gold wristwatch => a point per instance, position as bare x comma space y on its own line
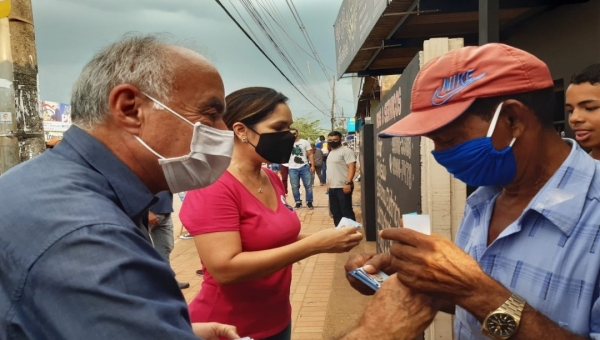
503, 323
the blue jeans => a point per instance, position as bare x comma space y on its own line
295, 176
162, 236
324, 172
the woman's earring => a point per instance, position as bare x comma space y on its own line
244, 140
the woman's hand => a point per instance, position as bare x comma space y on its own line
335, 240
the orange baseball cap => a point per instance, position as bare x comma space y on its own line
447, 86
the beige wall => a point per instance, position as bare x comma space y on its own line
566, 38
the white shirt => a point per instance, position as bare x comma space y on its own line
299, 156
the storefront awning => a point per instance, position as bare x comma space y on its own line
375, 38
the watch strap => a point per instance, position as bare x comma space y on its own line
514, 305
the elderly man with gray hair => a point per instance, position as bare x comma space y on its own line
76, 259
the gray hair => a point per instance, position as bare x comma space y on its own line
139, 60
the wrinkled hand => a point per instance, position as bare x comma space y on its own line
371, 263
213, 330
396, 312
336, 240
152, 220
433, 265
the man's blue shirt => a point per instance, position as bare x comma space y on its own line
550, 255
75, 255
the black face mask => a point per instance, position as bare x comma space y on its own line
334, 145
275, 147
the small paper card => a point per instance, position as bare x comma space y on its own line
373, 281
346, 222
420, 223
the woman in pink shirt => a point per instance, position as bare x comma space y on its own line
246, 234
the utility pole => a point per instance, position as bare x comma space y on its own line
333, 107
9, 145
22, 133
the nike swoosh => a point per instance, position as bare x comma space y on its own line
444, 98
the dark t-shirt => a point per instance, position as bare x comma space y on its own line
164, 204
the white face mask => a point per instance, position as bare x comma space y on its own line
209, 157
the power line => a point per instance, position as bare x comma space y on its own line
276, 42
279, 47
306, 36
244, 20
281, 22
266, 56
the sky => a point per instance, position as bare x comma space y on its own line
69, 32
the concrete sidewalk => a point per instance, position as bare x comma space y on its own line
324, 306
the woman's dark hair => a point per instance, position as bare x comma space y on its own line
251, 105
540, 101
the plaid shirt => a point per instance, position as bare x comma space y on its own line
550, 255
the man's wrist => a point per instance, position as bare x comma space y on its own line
487, 296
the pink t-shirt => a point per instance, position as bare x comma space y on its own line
259, 308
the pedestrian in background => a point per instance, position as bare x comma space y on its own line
322, 145
301, 167
341, 167
160, 224
318, 156
284, 172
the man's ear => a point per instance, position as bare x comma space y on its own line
518, 116
124, 103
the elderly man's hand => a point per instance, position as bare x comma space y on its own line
213, 330
395, 313
371, 263
433, 265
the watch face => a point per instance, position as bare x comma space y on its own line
501, 324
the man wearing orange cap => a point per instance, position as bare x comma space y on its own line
526, 262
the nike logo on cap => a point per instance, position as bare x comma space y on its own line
453, 85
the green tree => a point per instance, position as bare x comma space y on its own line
309, 129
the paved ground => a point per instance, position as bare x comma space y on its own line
324, 306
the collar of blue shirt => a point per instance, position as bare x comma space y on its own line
562, 199
132, 194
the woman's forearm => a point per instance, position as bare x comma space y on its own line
247, 266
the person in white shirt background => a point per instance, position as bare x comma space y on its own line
301, 167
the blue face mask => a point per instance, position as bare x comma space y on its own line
477, 163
